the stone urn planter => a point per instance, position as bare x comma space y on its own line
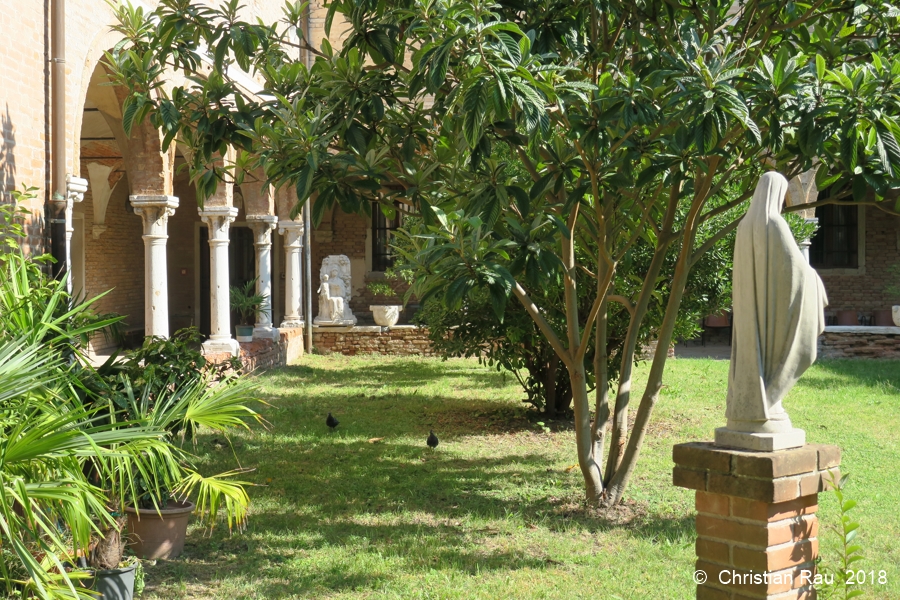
155, 535
387, 315
243, 333
896, 315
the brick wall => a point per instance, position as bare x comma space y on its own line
267, 354
114, 263
396, 341
866, 292
180, 258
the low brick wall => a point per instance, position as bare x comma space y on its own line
860, 342
400, 340
267, 353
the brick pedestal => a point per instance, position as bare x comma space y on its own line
756, 518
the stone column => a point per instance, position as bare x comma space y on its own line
219, 219
155, 212
262, 226
757, 530
75, 189
293, 243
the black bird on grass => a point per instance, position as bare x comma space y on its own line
432, 440
331, 422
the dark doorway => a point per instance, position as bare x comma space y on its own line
241, 267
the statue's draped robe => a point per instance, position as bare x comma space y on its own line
778, 314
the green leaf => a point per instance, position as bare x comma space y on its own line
128, 114
304, 183
456, 291
474, 107
498, 301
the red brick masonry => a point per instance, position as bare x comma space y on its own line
756, 518
267, 353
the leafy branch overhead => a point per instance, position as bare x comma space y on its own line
540, 142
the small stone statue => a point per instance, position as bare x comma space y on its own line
334, 292
779, 306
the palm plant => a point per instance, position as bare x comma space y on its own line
247, 303
48, 440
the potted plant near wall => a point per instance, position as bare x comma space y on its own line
167, 386
249, 305
157, 521
386, 315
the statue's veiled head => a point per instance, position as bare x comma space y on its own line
769, 195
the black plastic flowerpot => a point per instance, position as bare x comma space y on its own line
115, 584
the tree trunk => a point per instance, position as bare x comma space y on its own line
619, 482
108, 552
601, 376
623, 395
550, 387
593, 479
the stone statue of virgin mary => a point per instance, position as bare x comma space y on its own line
778, 308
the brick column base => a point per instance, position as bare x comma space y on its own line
756, 518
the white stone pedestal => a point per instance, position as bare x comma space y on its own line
760, 442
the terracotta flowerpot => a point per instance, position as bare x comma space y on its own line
114, 584
883, 318
718, 320
155, 535
847, 318
386, 316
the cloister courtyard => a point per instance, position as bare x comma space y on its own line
496, 511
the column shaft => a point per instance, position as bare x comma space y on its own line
293, 242
262, 226
219, 219
155, 212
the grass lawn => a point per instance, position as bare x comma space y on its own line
495, 511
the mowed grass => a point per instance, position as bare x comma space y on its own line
496, 511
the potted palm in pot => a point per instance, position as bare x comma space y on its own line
249, 305
168, 386
56, 448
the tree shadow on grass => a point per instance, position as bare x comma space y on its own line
333, 513
404, 372
831, 374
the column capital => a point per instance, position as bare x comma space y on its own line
262, 226
218, 219
155, 212
75, 188
292, 232
154, 201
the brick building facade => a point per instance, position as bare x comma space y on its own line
134, 199
135, 203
